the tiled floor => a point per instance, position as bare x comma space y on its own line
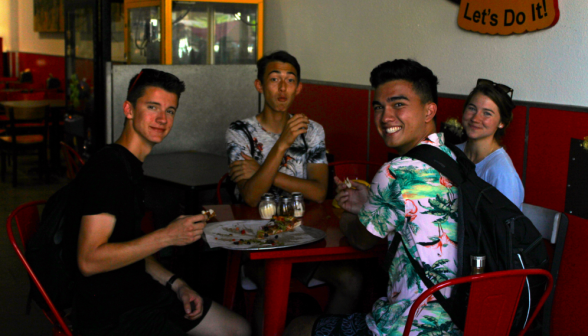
14, 282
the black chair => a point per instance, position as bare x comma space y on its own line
26, 129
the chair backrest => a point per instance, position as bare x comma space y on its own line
493, 300
28, 120
73, 160
553, 226
27, 221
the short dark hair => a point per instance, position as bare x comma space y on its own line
278, 56
156, 78
501, 99
423, 81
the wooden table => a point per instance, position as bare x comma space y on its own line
193, 171
33, 103
278, 262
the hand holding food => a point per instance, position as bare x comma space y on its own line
208, 214
351, 194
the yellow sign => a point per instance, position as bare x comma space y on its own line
507, 17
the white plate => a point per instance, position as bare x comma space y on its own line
225, 234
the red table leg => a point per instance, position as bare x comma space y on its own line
232, 278
277, 285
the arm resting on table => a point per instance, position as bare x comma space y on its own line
357, 235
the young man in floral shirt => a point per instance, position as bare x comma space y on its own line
407, 197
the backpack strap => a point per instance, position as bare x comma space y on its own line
391, 252
250, 138
439, 160
121, 156
460, 323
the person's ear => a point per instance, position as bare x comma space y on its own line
298, 88
258, 86
430, 111
501, 125
128, 109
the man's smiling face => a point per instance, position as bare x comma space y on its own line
400, 116
152, 117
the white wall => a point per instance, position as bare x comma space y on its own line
30, 41
343, 40
7, 24
17, 30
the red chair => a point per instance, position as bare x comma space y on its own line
493, 301
219, 187
27, 221
73, 160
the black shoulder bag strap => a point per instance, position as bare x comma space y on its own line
443, 163
251, 143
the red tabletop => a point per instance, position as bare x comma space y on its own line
278, 265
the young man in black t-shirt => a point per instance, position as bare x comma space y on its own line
121, 288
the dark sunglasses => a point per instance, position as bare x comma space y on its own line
149, 72
506, 89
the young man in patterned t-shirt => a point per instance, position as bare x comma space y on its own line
278, 152
275, 151
407, 197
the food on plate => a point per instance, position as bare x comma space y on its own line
278, 224
208, 214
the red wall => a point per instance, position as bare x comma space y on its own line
341, 112
41, 66
345, 114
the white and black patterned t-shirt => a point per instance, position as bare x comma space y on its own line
310, 147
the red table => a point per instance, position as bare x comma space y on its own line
278, 262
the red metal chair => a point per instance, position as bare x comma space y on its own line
219, 187
27, 221
73, 160
493, 301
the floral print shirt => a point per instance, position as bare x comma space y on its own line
412, 199
307, 148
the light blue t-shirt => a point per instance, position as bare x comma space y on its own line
498, 170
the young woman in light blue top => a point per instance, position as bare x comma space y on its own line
487, 113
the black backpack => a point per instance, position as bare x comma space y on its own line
46, 250
45, 253
489, 224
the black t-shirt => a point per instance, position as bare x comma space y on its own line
107, 184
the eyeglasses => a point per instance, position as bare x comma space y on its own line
506, 89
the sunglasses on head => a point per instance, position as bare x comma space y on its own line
150, 72
506, 89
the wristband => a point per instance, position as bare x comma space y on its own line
171, 281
